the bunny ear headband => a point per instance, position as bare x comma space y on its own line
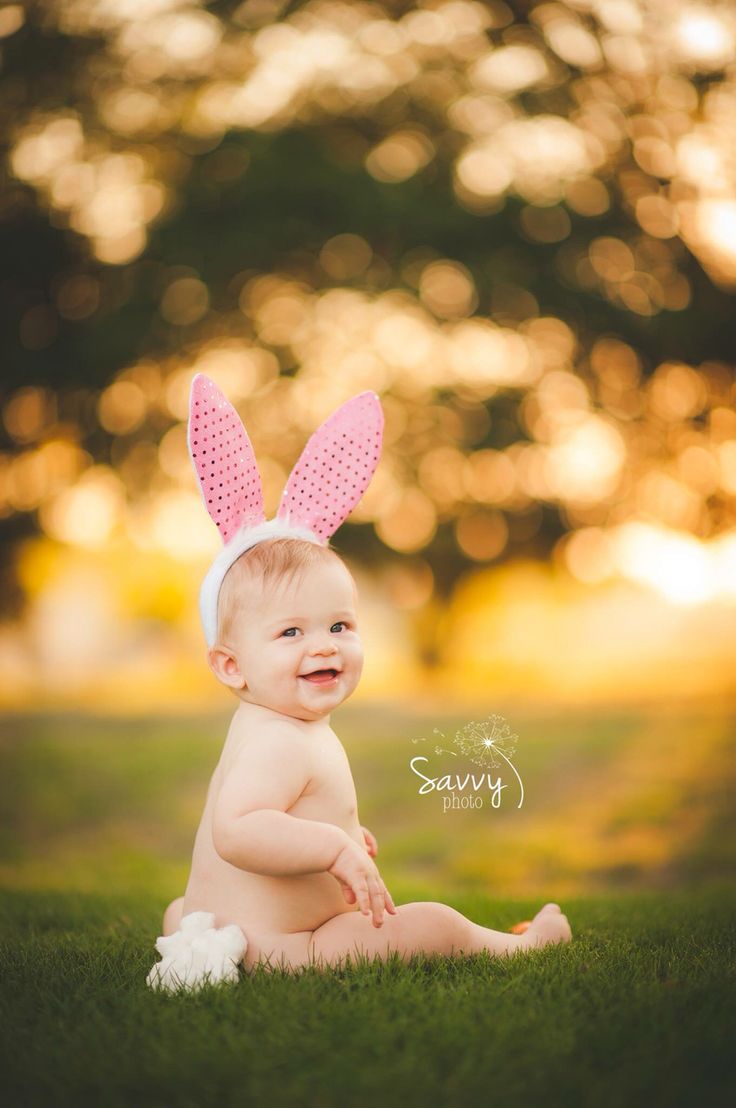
326, 483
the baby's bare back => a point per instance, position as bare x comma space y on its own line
255, 901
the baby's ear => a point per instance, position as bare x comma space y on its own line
225, 667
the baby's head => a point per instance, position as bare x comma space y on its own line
287, 634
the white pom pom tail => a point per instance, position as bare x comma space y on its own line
197, 954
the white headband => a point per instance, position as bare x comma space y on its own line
328, 480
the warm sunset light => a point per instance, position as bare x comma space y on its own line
444, 288
572, 427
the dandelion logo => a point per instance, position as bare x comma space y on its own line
489, 744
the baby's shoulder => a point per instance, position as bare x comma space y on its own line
255, 740
250, 730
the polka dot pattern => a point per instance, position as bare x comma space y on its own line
223, 459
335, 467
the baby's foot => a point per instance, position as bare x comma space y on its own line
548, 926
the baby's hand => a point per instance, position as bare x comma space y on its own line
370, 842
361, 881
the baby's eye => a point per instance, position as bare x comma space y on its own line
289, 630
340, 623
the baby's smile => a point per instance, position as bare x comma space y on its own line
321, 676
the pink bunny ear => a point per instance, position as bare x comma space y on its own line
223, 459
335, 467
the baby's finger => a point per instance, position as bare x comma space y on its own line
390, 906
349, 894
361, 891
377, 903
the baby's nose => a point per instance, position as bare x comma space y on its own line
324, 646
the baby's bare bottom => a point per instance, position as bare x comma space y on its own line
424, 927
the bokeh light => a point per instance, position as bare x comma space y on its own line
572, 175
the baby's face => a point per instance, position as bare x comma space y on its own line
297, 646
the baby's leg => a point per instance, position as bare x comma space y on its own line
428, 927
172, 916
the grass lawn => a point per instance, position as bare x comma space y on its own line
637, 1010
628, 822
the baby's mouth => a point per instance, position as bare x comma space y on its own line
320, 676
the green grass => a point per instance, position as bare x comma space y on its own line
616, 798
637, 1010
629, 822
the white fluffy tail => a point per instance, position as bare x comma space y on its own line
197, 954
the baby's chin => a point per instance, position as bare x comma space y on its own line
326, 687
312, 704
306, 709
320, 701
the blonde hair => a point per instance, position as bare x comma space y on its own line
266, 562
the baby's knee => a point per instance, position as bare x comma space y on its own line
438, 926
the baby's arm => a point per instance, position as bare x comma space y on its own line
251, 828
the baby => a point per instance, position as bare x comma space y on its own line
280, 855
280, 850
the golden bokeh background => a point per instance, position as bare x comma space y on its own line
516, 222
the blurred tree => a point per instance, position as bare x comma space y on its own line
178, 175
